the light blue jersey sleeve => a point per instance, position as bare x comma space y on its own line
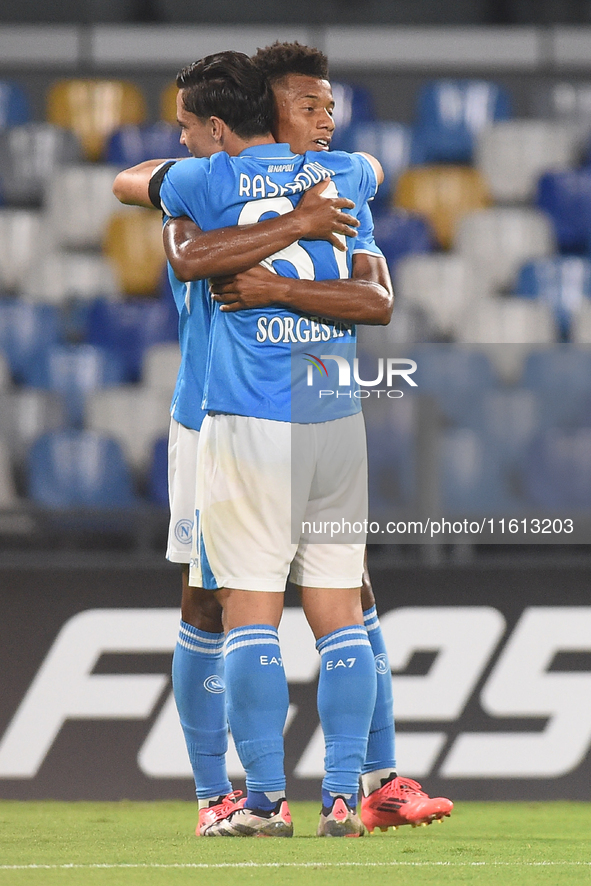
185, 188
364, 241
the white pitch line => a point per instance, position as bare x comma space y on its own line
309, 864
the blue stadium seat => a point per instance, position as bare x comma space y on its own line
353, 103
451, 113
78, 469
561, 376
556, 472
470, 475
561, 282
14, 105
389, 142
566, 197
399, 233
391, 451
128, 328
135, 144
74, 371
26, 332
456, 376
158, 478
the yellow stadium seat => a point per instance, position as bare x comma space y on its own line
133, 244
93, 109
443, 194
168, 104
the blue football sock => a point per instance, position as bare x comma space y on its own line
198, 685
346, 698
381, 753
258, 701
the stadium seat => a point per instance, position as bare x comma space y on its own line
133, 415
8, 496
391, 453
25, 414
444, 194
22, 243
74, 371
472, 483
352, 104
399, 233
93, 109
160, 367
508, 419
63, 276
567, 102
133, 245
389, 142
80, 202
457, 377
168, 104
562, 283
26, 332
78, 469
451, 113
581, 325
5, 379
442, 285
505, 320
513, 154
127, 329
131, 145
29, 156
158, 476
566, 197
499, 240
14, 105
556, 471
561, 377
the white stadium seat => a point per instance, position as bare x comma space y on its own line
62, 275
161, 366
581, 328
80, 202
23, 240
134, 415
442, 285
512, 155
499, 240
8, 497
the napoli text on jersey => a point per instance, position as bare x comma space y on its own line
259, 359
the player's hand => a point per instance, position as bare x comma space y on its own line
324, 217
255, 288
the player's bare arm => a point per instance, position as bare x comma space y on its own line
131, 185
367, 297
195, 255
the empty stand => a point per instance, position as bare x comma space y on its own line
388, 141
499, 240
581, 325
556, 473
22, 243
14, 105
168, 104
513, 154
74, 371
8, 496
80, 202
133, 415
61, 276
456, 377
566, 197
472, 483
69, 469
131, 145
561, 376
127, 329
563, 283
26, 332
93, 109
25, 414
399, 233
444, 194
29, 155
158, 475
507, 419
352, 104
451, 113
568, 102
501, 320
133, 244
4, 373
443, 285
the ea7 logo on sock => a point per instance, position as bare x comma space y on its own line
265, 660
214, 684
331, 665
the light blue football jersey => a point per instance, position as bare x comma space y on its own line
193, 302
261, 362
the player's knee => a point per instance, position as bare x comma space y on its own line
200, 609
367, 597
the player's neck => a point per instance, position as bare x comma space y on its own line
234, 145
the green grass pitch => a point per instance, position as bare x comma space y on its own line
46, 843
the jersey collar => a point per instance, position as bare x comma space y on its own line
274, 150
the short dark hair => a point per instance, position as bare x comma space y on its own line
230, 86
281, 59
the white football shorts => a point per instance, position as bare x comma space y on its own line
277, 500
182, 470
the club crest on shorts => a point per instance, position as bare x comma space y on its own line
183, 531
